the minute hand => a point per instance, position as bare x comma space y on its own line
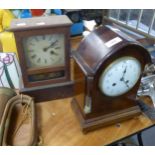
122, 78
51, 45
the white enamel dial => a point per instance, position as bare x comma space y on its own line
120, 76
44, 50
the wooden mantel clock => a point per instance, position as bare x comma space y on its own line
107, 72
43, 45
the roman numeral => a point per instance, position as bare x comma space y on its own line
43, 37
31, 50
33, 56
38, 60
36, 39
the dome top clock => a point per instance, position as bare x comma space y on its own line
108, 70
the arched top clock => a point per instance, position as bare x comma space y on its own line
107, 42
108, 69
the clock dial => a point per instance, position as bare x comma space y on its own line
44, 50
120, 76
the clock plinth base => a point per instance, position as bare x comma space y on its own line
51, 92
104, 120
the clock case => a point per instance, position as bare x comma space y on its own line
51, 88
92, 107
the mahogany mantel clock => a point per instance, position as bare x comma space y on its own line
44, 54
107, 72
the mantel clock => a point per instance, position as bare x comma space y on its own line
43, 45
108, 69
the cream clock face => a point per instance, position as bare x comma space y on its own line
44, 50
120, 76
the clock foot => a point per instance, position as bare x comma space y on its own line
89, 124
48, 93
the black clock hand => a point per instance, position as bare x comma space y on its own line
126, 83
124, 71
122, 78
51, 45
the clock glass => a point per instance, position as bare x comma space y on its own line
44, 50
120, 76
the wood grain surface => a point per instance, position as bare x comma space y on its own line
58, 125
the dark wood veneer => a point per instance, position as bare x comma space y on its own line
24, 28
91, 59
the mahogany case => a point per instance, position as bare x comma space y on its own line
91, 58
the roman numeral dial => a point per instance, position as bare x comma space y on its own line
44, 50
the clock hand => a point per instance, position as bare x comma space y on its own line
52, 44
126, 83
122, 78
125, 70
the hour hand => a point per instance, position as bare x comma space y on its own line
126, 83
